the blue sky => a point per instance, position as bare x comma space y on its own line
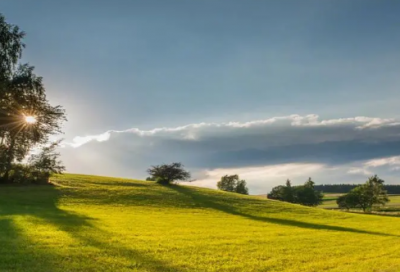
117, 66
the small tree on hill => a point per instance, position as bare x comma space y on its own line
232, 183
365, 196
241, 187
168, 173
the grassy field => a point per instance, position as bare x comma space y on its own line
88, 223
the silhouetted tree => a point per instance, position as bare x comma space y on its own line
168, 173
232, 183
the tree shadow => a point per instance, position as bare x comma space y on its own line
43, 207
214, 202
116, 183
15, 253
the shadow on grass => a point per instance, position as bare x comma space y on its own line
116, 183
21, 254
17, 255
210, 201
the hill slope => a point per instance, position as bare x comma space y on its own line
88, 223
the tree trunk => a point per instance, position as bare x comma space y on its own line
8, 163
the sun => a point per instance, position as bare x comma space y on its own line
30, 119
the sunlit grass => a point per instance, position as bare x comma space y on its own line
88, 223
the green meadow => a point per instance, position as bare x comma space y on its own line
88, 223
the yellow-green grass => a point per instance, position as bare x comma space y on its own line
88, 223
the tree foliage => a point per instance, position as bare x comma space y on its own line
307, 195
241, 187
232, 183
168, 173
282, 192
47, 162
22, 94
11, 47
304, 194
365, 196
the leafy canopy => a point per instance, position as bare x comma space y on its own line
304, 194
365, 196
232, 183
168, 173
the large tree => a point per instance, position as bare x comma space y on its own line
365, 196
27, 119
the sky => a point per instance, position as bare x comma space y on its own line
269, 90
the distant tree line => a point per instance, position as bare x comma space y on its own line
345, 188
303, 194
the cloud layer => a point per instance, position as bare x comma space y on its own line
193, 131
258, 149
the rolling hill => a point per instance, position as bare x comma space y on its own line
88, 223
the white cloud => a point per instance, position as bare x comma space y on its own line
79, 141
391, 161
367, 168
195, 131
